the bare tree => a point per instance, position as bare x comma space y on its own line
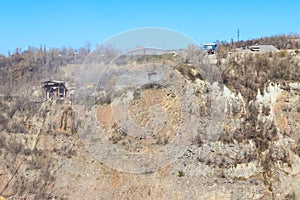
87, 46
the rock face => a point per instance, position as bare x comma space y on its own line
255, 156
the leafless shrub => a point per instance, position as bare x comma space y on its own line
16, 128
198, 141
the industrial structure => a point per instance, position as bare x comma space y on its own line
210, 47
54, 89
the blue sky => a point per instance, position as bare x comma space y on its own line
71, 23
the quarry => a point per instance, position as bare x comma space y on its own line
225, 126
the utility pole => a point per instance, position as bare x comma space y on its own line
238, 35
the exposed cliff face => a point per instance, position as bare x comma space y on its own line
257, 155
33, 136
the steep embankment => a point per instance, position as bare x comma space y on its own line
256, 155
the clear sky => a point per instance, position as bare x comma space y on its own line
71, 23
